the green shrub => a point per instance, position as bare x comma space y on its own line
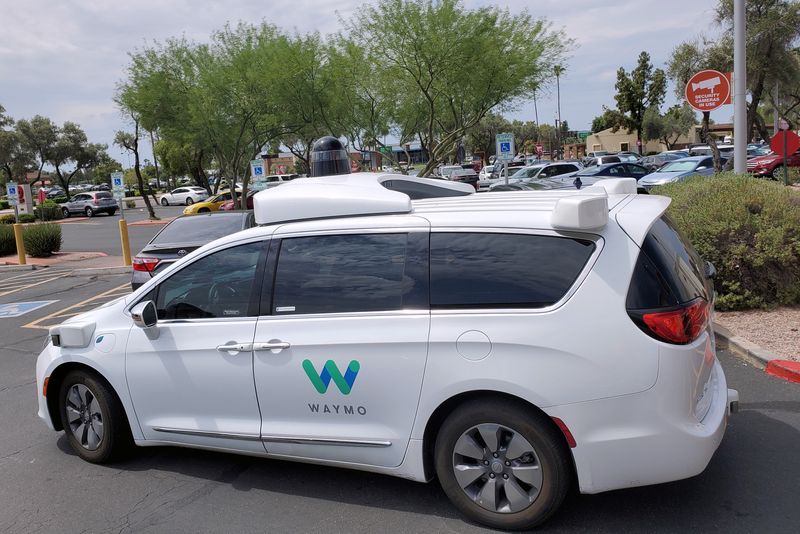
42, 239
49, 212
4, 205
27, 218
749, 228
59, 200
8, 245
49, 203
130, 204
8, 218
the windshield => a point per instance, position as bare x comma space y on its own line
678, 166
526, 172
591, 171
447, 171
199, 229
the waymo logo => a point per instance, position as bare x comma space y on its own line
331, 372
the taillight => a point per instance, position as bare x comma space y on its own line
144, 264
680, 325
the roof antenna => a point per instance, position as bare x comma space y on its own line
328, 157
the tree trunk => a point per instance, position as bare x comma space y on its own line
138, 172
709, 140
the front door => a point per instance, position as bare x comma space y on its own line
191, 381
339, 360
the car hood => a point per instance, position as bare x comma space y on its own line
663, 177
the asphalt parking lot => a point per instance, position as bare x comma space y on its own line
751, 485
101, 233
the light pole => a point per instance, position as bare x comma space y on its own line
558, 70
739, 89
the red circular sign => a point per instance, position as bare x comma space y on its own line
707, 90
792, 142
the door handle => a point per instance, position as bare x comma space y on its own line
235, 347
273, 345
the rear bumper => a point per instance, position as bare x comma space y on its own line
637, 440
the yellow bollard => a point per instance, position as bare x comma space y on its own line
20, 243
126, 246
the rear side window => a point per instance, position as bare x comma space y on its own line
668, 272
350, 273
486, 270
103, 194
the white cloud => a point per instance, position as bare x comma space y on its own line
63, 59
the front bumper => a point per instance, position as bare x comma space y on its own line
638, 440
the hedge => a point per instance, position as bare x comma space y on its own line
47, 212
4, 205
749, 228
42, 239
8, 244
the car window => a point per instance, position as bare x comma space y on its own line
178, 191
343, 273
220, 285
616, 170
103, 194
636, 171
708, 162
78, 198
198, 229
490, 270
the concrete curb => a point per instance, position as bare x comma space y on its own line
7, 268
744, 349
772, 363
86, 271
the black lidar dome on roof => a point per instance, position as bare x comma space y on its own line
328, 157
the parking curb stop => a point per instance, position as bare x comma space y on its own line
772, 363
785, 369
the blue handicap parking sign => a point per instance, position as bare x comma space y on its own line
505, 147
258, 171
15, 309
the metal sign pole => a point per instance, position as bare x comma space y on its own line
785, 158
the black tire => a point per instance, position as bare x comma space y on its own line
89, 212
549, 446
116, 439
112, 212
164, 202
189, 201
66, 213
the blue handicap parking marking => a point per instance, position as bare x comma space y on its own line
15, 309
259, 170
505, 147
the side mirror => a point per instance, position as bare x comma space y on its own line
144, 314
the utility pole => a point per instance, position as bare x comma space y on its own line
558, 69
155, 160
535, 110
740, 134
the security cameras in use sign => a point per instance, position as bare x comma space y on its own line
709, 89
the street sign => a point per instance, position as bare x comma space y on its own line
708, 89
118, 185
15, 309
257, 169
539, 149
12, 192
505, 146
792, 143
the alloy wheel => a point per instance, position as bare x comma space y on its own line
497, 468
84, 416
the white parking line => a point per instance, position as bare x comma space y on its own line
55, 318
18, 285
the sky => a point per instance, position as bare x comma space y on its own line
64, 58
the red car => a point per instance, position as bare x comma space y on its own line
228, 206
767, 165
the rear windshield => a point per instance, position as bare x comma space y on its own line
668, 272
103, 194
199, 229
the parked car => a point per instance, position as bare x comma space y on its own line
55, 192
485, 178
101, 187
628, 157
499, 168
705, 150
678, 170
184, 196
275, 180
613, 170
767, 165
529, 344
457, 173
539, 171
210, 204
230, 205
651, 163
600, 160
90, 204
182, 236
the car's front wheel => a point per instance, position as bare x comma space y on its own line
164, 202
93, 418
66, 213
89, 212
502, 464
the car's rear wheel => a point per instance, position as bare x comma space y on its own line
66, 213
93, 418
89, 212
501, 464
112, 212
164, 202
189, 201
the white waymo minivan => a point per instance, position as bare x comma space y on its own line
506, 344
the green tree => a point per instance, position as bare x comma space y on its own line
38, 136
130, 141
410, 44
100, 173
773, 30
668, 127
643, 88
72, 149
481, 138
602, 122
15, 159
